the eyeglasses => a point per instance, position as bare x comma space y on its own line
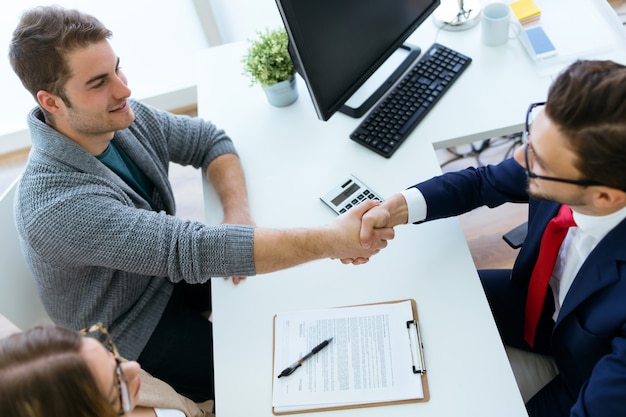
529, 173
119, 375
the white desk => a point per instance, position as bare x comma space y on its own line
291, 158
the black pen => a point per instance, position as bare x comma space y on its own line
289, 370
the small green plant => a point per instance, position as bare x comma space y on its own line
267, 60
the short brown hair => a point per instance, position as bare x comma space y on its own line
42, 373
41, 40
587, 102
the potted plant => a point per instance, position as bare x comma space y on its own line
267, 63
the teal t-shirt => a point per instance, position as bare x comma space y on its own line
120, 163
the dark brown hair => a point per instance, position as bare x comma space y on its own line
587, 101
42, 373
41, 41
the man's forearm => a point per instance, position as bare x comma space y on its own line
279, 249
226, 176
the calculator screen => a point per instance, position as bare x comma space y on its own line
345, 194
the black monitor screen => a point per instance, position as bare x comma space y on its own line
337, 44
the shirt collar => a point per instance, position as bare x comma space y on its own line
598, 226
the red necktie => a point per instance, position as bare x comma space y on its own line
548, 251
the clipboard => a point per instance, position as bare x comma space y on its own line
417, 365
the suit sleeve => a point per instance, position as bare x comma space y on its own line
458, 192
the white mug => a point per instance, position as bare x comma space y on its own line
496, 23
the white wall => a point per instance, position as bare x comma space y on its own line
238, 20
156, 40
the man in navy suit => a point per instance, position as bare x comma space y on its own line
574, 155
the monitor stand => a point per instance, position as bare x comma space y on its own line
406, 55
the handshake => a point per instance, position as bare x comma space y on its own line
353, 237
365, 229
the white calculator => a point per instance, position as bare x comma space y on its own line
349, 193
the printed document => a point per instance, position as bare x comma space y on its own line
370, 359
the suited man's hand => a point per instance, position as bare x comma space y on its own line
392, 212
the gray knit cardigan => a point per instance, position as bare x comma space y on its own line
97, 250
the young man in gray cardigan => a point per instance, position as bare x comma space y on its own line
95, 210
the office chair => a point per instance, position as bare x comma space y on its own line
516, 236
19, 298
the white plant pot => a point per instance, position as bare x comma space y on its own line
283, 93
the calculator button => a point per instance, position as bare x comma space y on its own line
350, 195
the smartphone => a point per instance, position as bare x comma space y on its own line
537, 43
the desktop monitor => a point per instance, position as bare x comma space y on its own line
336, 45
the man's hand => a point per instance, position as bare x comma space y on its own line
276, 249
348, 245
378, 217
390, 213
383, 216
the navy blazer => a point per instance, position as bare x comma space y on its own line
589, 336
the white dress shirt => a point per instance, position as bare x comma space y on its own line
416, 204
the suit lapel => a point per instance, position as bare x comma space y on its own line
541, 212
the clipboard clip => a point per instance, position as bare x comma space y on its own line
416, 347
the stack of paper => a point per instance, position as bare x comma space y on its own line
526, 11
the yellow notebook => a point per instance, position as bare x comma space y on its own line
526, 11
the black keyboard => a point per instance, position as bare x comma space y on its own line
384, 129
